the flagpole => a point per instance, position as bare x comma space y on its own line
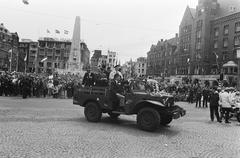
11, 61
25, 69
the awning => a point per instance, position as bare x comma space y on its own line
230, 64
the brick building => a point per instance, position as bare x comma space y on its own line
8, 49
57, 53
161, 59
141, 66
206, 32
199, 32
28, 51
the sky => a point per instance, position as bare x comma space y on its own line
128, 27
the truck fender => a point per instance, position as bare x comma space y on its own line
147, 103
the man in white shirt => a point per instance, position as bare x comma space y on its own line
225, 102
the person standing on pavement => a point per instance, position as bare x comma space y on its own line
214, 99
205, 94
225, 102
198, 97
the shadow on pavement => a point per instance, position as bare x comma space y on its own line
130, 127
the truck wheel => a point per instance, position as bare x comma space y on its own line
92, 112
166, 120
113, 115
238, 117
148, 119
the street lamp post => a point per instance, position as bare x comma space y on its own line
10, 66
238, 57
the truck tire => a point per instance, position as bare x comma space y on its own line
148, 119
92, 112
113, 115
166, 120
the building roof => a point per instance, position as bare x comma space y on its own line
193, 12
54, 39
228, 7
230, 64
173, 41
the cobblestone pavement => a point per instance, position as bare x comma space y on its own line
57, 128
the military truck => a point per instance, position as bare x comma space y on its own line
152, 109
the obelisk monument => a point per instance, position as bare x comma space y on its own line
74, 62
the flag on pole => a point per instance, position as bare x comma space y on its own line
44, 59
25, 59
66, 32
10, 51
57, 31
25, 2
48, 31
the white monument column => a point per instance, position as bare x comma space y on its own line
74, 61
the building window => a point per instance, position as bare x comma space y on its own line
225, 42
40, 64
142, 70
216, 32
226, 30
138, 70
199, 12
237, 27
215, 45
237, 40
198, 45
142, 65
50, 45
224, 56
199, 33
199, 23
49, 64
42, 44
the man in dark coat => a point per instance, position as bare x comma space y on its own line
214, 98
205, 94
198, 96
25, 86
115, 87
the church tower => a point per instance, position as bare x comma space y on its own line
206, 11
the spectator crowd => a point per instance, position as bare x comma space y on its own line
37, 85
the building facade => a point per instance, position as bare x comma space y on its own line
56, 52
206, 31
95, 60
111, 59
208, 38
163, 57
8, 49
141, 66
28, 51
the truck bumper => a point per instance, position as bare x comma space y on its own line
178, 112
